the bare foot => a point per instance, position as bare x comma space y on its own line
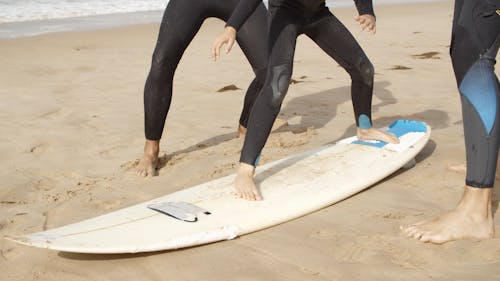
376, 134
472, 218
244, 185
149, 161
242, 131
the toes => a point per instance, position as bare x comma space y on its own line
151, 172
250, 197
237, 194
414, 232
409, 230
258, 197
435, 238
141, 173
417, 234
394, 139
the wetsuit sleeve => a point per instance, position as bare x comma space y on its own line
242, 12
364, 7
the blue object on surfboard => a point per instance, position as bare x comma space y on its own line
398, 128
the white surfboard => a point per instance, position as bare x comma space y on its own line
209, 212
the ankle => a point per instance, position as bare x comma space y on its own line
476, 202
152, 147
246, 169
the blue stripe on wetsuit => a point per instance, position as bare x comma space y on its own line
479, 86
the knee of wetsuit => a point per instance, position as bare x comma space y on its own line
367, 72
260, 76
162, 63
280, 79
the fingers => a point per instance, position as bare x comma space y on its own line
228, 36
371, 27
366, 22
218, 43
230, 44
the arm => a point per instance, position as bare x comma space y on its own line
365, 7
366, 17
240, 14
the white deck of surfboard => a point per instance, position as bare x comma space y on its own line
291, 188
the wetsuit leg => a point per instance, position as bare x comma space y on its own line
252, 40
476, 27
336, 40
282, 38
181, 21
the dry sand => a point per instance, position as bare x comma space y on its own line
71, 129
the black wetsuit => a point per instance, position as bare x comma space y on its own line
474, 46
181, 21
288, 19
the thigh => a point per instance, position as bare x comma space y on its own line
476, 26
282, 37
336, 40
181, 21
252, 38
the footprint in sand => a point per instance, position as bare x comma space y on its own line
350, 252
366, 250
127, 166
7, 254
44, 184
427, 55
309, 271
221, 170
291, 139
111, 152
392, 216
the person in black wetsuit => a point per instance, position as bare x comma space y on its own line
474, 47
287, 20
181, 21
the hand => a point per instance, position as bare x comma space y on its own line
228, 36
367, 22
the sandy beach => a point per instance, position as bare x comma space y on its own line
71, 132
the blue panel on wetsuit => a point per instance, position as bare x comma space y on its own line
364, 122
478, 86
398, 128
256, 161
